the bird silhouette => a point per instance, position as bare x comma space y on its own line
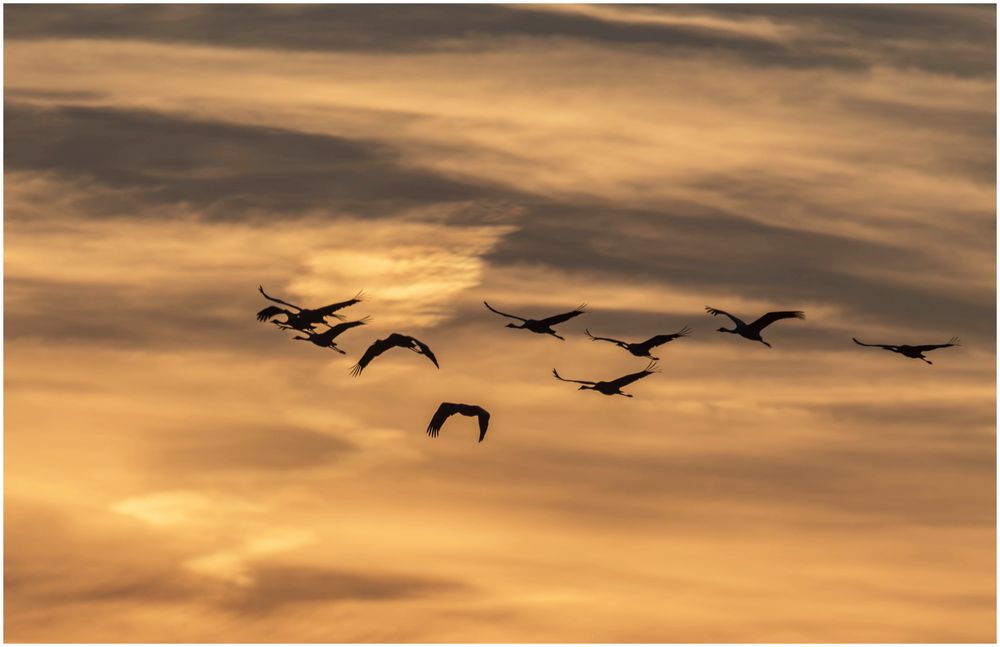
326, 338
540, 326
612, 387
448, 409
641, 349
302, 319
913, 352
752, 330
392, 341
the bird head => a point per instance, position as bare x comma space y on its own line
510, 325
724, 330
300, 337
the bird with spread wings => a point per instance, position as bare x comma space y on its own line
752, 330
326, 338
913, 352
541, 326
303, 319
612, 387
448, 409
395, 340
642, 349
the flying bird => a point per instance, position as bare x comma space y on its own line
326, 338
641, 349
392, 341
540, 326
302, 319
612, 387
448, 409
752, 330
913, 352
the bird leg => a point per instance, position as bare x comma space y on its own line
556, 336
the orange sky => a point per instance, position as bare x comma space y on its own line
176, 471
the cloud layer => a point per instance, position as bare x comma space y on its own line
177, 471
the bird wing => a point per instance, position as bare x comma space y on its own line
376, 349
426, 350
484, 422
334, 331
716, 311
662, 339
952, 342
269, 312
503, 313
269, 298
557, 319
625, 380
768, 319
885, 346
443, 413
333, 307
559, 377
613, 341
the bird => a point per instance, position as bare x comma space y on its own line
303, 319
392, 341
448, 409
326, 338
752, 330
541, 326
913, 352
612, 387
641, 349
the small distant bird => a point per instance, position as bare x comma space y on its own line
303, 319
751, 331
612, 387
326, 338
642, 349
448, 409
392, 341
540, 326
913, 352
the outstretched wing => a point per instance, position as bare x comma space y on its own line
443, 413
269, 312
652, 342
327, 311
952, 342
557, 319
559, 377
716, 311
768, 319
613, 341
341, 327
426, 350
376, 349
885, 346
625, 380
503, 313
484, 422
269, 298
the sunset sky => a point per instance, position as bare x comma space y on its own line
177, 471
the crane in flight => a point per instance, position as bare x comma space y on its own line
303, 319
612, 387
326, 338
752, 330
913, 352
395, 340
540, 326
448, 409
641, 349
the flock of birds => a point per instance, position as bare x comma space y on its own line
306, 320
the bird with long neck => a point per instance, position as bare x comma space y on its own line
752, 330
540, 326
